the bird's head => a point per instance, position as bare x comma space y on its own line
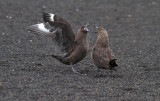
85, 28
101, 30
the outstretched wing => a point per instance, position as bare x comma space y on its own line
68, 36
44, 29
41, 29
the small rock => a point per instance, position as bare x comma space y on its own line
134, 41
77, 10
107, 17
19, 41
30, 40
10, 17
129, 15
44, 7
153, 3
22, 92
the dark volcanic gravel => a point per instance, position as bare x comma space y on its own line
26, 74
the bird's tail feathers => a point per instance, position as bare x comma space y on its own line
48, 17
113, 63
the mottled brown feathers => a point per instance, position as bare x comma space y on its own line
101, 54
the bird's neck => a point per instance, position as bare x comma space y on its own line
102, 41
81, 38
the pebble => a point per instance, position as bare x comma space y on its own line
129, 15
44, 7
30, 40
9, 17
12, 69
19, 41
77, 10
153, 3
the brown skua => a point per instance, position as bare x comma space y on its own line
73, 48
101, 54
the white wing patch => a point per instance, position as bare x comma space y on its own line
42, 27
51, 16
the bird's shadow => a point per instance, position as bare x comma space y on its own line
109, 74
84, 71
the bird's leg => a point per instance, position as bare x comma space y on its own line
74, 69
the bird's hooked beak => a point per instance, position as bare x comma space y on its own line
87, 25
96, 26
86, 28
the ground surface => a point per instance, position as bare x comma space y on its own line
134, 31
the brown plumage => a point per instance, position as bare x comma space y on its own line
73, 48
101, 54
